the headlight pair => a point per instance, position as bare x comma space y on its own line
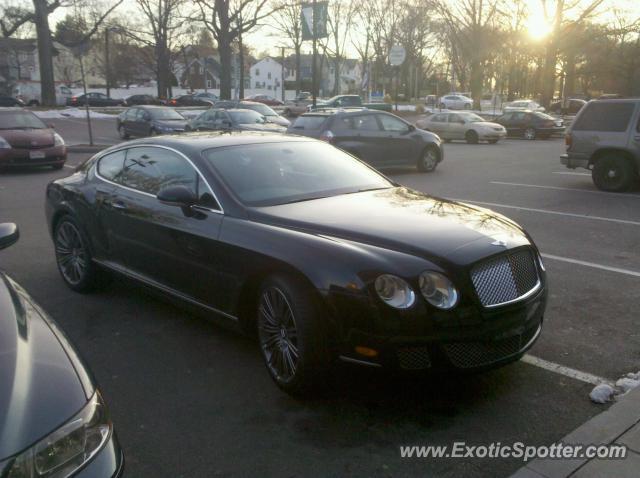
66, 449
435, 287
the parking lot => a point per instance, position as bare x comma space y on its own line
191, 399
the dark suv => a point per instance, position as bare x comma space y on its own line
605, 138
378, 138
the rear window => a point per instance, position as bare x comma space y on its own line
309, 122
612, 117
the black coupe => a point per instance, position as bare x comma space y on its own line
305, 246
53, 422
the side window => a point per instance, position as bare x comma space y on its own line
440, 118
506, 117
151, 169
342, 124
366, 123
139, 115
110, 166
389, 123
454, 118
612, 117
205, 196
519, 116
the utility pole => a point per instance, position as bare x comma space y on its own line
282, 72
314, 33
204, 72
86, 101
106, 60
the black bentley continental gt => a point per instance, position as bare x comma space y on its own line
308, 248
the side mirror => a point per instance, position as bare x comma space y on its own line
411, 128
9, 234
51, 126
180, 196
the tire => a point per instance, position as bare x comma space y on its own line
493, 141
122, 132
471, 137
613, 172
429, 160
33, 103
73, 257
530, 134
292, 335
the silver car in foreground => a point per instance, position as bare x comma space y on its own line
463, 125
605, 138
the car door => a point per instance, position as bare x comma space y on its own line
455, 126
139, 126
401, 145
128, 121
438, 125
173, 247
206, 121
366, 139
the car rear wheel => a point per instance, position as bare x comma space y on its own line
613, 172
122, 132
291, 335
73, 257
429, 160
530, 134
471, 137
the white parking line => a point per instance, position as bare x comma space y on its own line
566, 371
69, 166
546, 211
592, 264
569, 173
602, 193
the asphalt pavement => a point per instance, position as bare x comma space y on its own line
190, 399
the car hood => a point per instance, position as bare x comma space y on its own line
42, 381
487, 124
262, 127
175, 124
28, 138
279, 120
404, 220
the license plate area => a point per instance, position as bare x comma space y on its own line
36, 155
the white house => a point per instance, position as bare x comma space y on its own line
266, 75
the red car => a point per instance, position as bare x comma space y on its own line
26, 141
265, 99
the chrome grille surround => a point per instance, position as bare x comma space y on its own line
507, 278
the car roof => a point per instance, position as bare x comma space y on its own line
345, 111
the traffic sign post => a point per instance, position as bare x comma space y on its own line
397, 55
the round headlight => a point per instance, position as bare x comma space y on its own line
395, 291
438, 290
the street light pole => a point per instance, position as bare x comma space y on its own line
314, 32
106, 60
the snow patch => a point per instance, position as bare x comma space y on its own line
605, 392
71, 113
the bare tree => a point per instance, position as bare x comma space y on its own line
340, 18
287, 21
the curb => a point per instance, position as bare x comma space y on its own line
87, 148
605, 428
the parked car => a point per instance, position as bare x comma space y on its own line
349, 101
149, 121
605, 138
571, 107
456, 102
313, 251
9, 101
190, 100
26, 141
522, 105
30, 93
141, 100
260, 108
376, 137
530, 124
218, 119
53, 421
93, 99
206, 95
463, 125
298, 105
265, 99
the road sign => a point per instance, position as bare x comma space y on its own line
321, 14
397, 55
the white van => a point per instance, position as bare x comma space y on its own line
30, 93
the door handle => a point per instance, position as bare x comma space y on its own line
118, 205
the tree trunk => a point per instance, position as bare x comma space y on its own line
162, 58
45, 53
298, 73
336, 76
549, 73
476, 82
224, 48
241, 72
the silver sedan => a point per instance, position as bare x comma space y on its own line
462, 125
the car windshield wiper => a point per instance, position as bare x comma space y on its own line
306, 199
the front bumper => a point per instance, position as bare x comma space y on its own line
20, 157
573, 162
488, 339
492, 135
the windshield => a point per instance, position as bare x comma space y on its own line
280, 173
166, 114
471, 117
20, 120
247, 117
264, 110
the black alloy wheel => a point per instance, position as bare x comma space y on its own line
612, 172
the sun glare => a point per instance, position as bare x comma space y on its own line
537, 25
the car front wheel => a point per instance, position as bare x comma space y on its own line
471, 137
429, 160
291, 334
613, 172
530, 134
122, 132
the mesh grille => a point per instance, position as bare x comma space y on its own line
414, 358
505, 278
476, 354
